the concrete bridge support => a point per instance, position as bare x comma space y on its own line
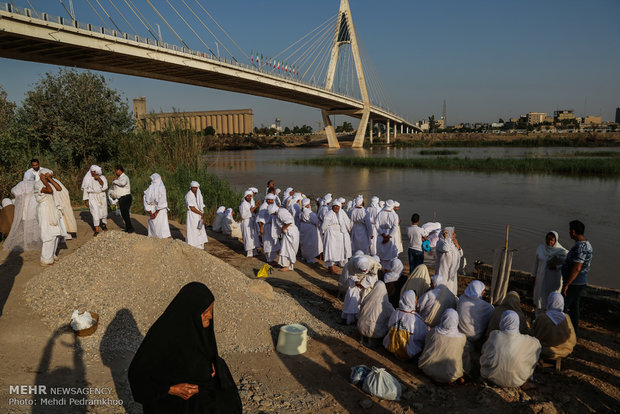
332, 139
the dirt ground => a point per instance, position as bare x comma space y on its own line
316, 381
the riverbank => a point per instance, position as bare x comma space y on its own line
594, 167
315, 382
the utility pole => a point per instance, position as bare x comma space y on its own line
444, 115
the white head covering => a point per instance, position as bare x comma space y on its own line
556, 250
153, 190
407, 301
358, 253
6, 202
45, 171
29, 176
278, 191
474, 289
362, 264
194, 184
287, 192
247, 193
220, 210
389, 205
96, 169
228, 212
509, 322
375, 312
381, 204
374, 202
155, 178
449, 324
555, 306
359, 200
327, 198
270, 196
305, 202
376, 258
88, 178
449, 232
200, 204
253, 189
438, 280
272, 209
396, 204
396, 268
336, 203
349, 205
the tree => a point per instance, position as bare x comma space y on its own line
74, 116
432, 124
345, 127
287, 130
209, 131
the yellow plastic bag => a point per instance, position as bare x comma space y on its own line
398, 342
264, 271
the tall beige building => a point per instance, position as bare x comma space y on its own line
236, 121
535, 118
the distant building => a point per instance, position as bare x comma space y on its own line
592, 120
497, 125
563, 114
618, 115
535, 118
239, 121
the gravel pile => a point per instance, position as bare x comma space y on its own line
129, 280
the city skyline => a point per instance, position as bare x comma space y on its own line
486, 61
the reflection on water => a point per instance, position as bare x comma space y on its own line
479, 205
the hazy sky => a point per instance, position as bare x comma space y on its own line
487, 59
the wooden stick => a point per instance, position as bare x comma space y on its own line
507, 231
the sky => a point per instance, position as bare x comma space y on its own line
486, 59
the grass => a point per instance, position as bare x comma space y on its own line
519, 142
612, 154
438, 152
571, 167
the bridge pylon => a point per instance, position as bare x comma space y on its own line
345, 34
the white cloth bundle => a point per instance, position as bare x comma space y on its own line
81, 322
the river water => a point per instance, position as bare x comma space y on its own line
479, 205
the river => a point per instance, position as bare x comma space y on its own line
479, 205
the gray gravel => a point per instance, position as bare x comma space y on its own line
130, 279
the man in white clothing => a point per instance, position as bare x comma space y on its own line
333, 238
50, 218
248, 230
289, 239
35, 169
387, 228
416, 235
195, 220
156, 205
94, 186
122, 192
360, 284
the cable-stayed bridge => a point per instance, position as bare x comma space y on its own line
327, 68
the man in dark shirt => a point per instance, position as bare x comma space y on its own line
575, 270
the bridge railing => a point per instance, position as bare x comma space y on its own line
23, 11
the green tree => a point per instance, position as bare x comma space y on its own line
432, 124
74, 116
209, 131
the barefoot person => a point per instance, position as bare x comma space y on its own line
156, 205
195, 219
177, 368
49, 216
94, 186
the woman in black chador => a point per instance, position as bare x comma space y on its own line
177, 368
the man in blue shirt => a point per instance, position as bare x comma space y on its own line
575, 270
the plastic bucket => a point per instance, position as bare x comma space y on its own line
292, 339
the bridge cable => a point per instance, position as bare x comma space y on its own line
142, 19
103, 22
312, 63
307, 54
123, 16
190, 27
109, 17
224, 31
323, 53
319, 34
167, 24
306, 35
212, 34
35, 12
65, 7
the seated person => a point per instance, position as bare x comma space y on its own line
434, 302
474, 312
554, 329
407, 330
512, 302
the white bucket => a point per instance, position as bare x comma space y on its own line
292, 339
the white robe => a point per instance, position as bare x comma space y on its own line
375, 312
64, 202
411, 323
50, 221
248, 229
25, 233
509, 359
361, 232
433, 304
448, 262
271, 240
547, 280
373, 211
333, 238
399, 236
347, 225
474, 316
217, 222
289, 240
355, 294
310, 235
155, 200
196, 232
387, 223
230, 227
94, 192
445, 357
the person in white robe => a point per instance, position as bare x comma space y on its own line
310, 235
349, 207
230, 227
156, 205
449, 255
288, 193
63, 201
277, 199
508, 358
360, 284
343, 279
324, 208
25, 234
362, 233
289, 239
406, 319
271, 236
547, 270
373, 212
333, 238
344, 219
35, 169
446, 356
248, 230
262, 216
294, 207
398, 238
374, 314
6, 202
554, 329
195, 217
49, 216
94, 185
474, 312
387, 228
394, 280
217, 221
434, 303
